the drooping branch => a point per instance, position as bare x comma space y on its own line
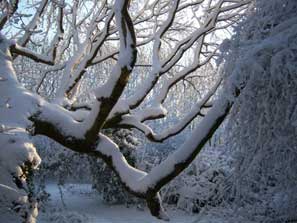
136, 120
138, 182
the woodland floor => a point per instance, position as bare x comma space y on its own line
83, 206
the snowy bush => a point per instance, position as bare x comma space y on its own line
262, 128
60, 165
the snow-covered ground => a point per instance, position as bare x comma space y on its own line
83, 206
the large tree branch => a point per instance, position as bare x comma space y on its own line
138, 182
148, 185
136, 120
106, 96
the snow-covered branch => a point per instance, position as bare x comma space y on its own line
160, 68
19, 50
8, 12
148, 184
106, 96
136, 121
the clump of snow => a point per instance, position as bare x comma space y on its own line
17, 152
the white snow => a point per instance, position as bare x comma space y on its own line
128, 174
83, 205
16, 147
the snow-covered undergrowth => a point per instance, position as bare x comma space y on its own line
262, 127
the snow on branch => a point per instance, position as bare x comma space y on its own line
67, 129
23, 51
123, 114
159, 68
75, 77
131, 177
148, 184
18, 47
136, 121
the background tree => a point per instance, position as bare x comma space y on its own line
262, 126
